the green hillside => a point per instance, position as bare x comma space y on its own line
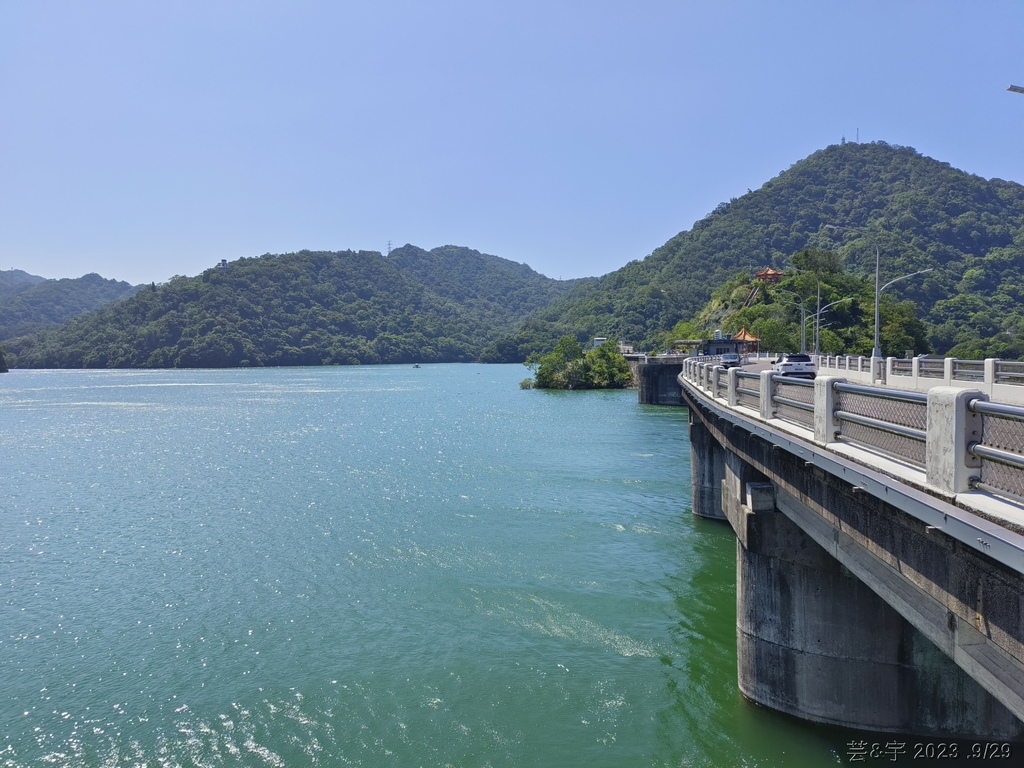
42, 303
454, 304
921, 213
14, 281
306, 308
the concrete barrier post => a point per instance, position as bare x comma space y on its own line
767, 392
951, 428
947, 370
826, 425
734, 382
990, 374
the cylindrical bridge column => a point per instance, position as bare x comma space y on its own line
815, 642
707, 470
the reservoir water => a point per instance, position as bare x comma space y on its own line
365, 566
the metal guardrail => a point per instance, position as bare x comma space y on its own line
793, 399
999, 450
893, 422
1010, 372
890, 422
1002, 380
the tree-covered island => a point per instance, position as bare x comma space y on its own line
568, 366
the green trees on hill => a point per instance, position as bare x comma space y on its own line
307, 308
820, 221
921, 213
31, 304
568, 366
817, 283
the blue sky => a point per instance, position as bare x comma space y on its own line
142, 140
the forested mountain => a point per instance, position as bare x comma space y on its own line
920, 212
40, 303
481, 282
13, 281
306, 308
452, 304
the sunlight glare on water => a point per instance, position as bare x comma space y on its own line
363, 566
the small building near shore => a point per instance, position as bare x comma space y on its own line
726, 345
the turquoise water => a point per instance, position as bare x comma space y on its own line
363, 566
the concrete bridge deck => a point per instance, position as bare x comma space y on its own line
880, 546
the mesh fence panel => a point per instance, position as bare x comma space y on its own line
969, 370
799, 393
1010, 372
900, 412
753, 385
723, 386
1007, 435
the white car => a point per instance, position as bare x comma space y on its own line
795, 364
730, 360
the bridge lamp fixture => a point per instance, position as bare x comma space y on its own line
904, 277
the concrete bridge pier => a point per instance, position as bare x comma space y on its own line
707, 470
815, 642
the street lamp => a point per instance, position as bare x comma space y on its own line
1016, 89
803, 317
817, 323
904, 277
877, 351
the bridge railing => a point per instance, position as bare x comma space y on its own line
892, 422
1001, 464
1002, 380
953, 439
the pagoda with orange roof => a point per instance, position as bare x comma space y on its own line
750, 341
768, 275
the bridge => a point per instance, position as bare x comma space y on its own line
879, 516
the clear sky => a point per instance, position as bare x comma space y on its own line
142, 140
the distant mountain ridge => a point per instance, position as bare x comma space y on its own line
14, 281
305, 308
454, 304
34, 303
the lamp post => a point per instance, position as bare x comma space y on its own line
803, 317
876, 352
820, 309
817, 323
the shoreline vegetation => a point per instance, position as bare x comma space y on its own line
569, 366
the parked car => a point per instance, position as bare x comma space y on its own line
796, 364
731, 360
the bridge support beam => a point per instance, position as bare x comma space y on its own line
817, 643
707, 470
